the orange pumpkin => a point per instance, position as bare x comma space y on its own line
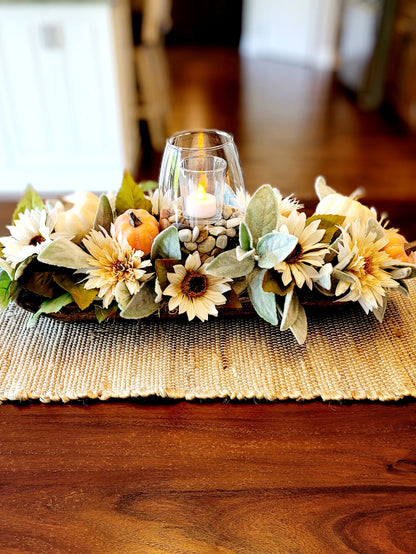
395, 248
139, 228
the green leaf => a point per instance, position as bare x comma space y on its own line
263, 302
403, 289
104, 313
64, 253
246, 240
104, 215
148, 185
226, 264
322, 189
142, 304
328, 222
262, 215
131, 196
82, 297
5, 283
20, 268
167, 245
52, 306
30, 201
274, 248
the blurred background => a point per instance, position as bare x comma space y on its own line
307, 88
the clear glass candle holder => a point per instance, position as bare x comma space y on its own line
201, 184
207, 216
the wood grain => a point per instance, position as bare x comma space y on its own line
191, 477
154, 476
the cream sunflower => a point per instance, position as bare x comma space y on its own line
287, 204
31, 233
300, 266
195, 291
364, 264
114, 263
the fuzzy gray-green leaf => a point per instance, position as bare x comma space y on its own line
104, 215
262, 215
290, 310
226, 264
263, 302
142, 304
273, 248
166, 245
64, 253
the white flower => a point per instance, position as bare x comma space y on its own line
195, 291
287, 204
31, 233
307, 255
114, 264
361, 258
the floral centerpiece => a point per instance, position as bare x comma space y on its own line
112, 256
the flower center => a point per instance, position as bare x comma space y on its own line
295, 255
38, 239
194, 284
120, 268
368, 266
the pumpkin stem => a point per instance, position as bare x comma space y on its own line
410, 247
134, 220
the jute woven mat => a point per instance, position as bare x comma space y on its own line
347, 356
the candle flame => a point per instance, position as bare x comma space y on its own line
200, 141
200, 192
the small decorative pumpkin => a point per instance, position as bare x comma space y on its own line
78, 219
338, 204
396, 247
139, 228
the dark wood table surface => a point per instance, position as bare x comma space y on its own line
154, 475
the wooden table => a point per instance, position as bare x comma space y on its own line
162, 476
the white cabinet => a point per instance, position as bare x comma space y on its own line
67, 95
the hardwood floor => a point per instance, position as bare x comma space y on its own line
151, 475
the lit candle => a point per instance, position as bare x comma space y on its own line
200, 204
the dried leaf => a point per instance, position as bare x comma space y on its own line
104, 215
82, 297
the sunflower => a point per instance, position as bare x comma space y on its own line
287, 204
31, 233
195, 291
300, 266
114, 263
364, 264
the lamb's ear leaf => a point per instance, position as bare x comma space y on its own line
263, 302
64, 253
104, 215
167, 245
227, 264
263, 214
246, 240
142, 304
273, 248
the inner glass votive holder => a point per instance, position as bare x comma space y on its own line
201, 182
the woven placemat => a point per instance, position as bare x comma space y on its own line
347, 356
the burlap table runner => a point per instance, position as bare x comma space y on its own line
347, 356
